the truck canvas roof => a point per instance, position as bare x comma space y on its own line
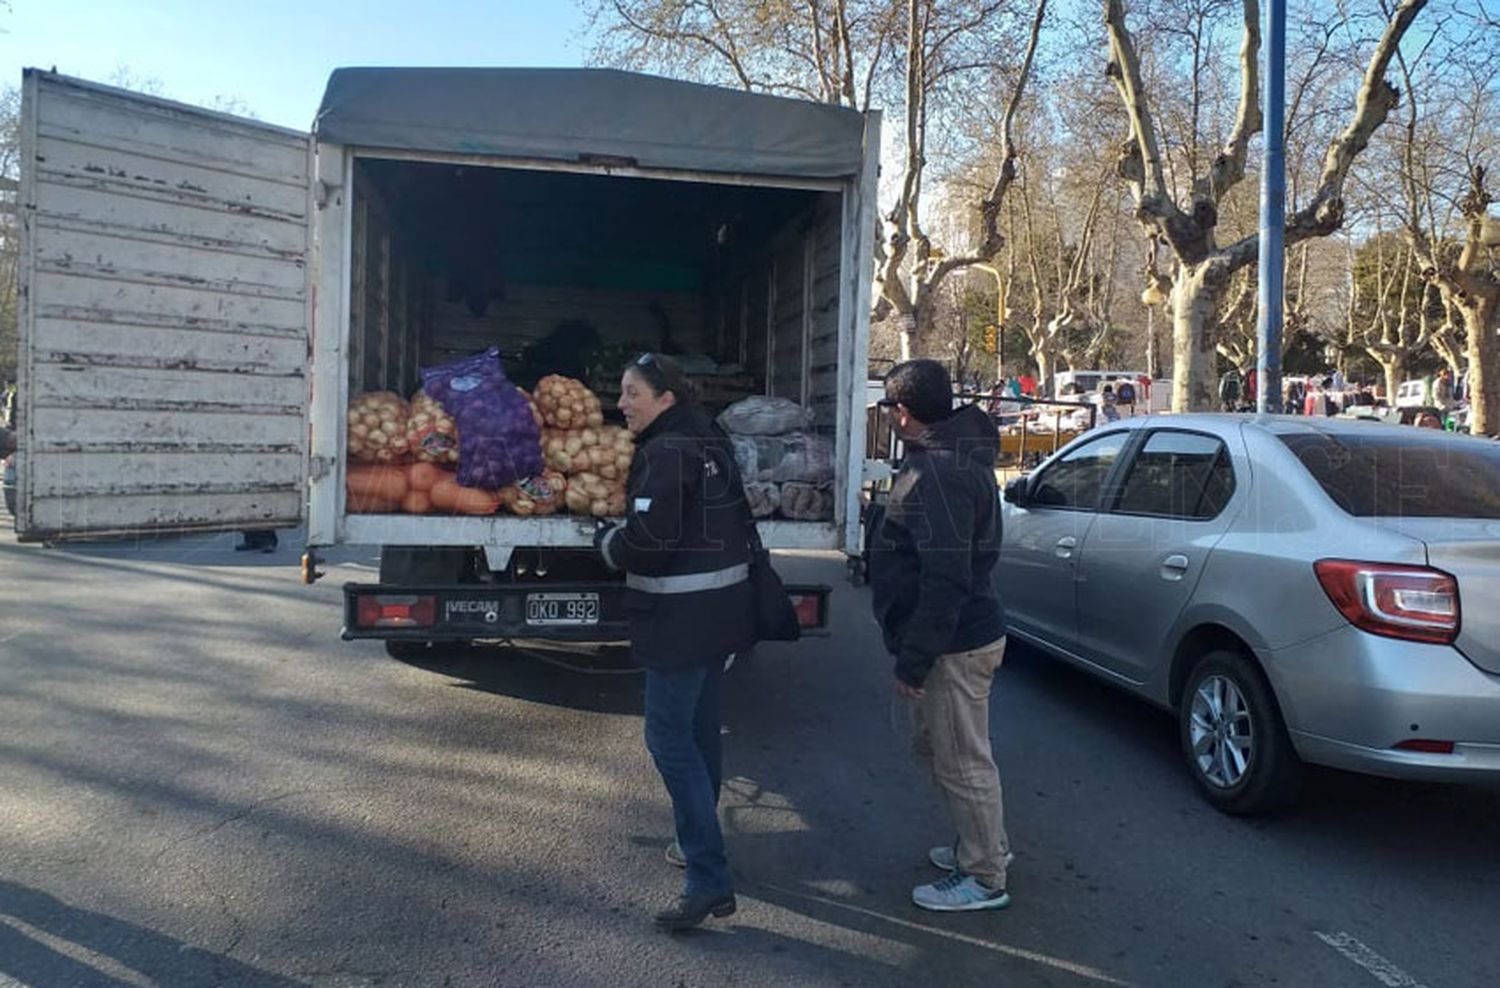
582, 114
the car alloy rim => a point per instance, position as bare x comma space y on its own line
1221, 731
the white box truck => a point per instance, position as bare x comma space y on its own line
201, 295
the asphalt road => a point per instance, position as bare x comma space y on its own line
201, 785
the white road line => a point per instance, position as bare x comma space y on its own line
1061, 964
1380, 969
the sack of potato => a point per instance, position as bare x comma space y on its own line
539, 495
431, 434
591, 494
566, 403
377, 427
605, 450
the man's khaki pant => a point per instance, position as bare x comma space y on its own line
951, 738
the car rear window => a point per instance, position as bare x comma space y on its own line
1428, 475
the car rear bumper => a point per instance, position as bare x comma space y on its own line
1349, 698
1468, 761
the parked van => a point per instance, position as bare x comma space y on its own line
1411, 394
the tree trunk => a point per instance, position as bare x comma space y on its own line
1394, 366
1480, 320
1196, 294
1044, 371
915, 329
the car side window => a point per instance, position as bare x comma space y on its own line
1178, 475
1076, 479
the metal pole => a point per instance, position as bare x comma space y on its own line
1272, 212
999, 329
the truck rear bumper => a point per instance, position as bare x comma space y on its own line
570, 612
576, 612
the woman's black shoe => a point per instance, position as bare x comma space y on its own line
691, 910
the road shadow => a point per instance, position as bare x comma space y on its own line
44, 941
597, 680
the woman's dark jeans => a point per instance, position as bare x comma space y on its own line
682, 734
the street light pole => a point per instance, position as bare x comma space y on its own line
1272, 212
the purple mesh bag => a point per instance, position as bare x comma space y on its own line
499, 442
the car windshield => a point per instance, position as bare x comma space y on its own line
1422, 476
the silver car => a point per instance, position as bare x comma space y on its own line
1296, 589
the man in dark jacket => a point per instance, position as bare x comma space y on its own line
939, 612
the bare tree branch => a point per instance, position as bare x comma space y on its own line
1377, 97
1229, 166
1141, 164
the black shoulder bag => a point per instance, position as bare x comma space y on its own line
775, 618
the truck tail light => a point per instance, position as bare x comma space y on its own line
809, 610
810, 601
396, 611
1414, 603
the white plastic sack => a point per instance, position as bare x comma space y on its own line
760, 415
800, 456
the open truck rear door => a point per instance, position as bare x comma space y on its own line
165, 312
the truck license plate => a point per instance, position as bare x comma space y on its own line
553, 609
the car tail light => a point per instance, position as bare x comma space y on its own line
396, 611
1411, 602
1426, 746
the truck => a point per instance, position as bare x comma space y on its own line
202, 295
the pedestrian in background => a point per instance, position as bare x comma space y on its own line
931, 574
684, 547
1229, 391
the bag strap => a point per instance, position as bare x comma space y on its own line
752, 535
752, 532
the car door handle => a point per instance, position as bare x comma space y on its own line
1065, 547
1173, 567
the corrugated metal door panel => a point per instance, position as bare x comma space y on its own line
164, 329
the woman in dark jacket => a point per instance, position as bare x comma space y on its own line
685, 552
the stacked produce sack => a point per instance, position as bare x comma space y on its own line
468, 416
787, 468
594, 457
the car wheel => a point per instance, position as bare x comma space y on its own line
1233, 737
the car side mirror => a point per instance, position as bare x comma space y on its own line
1016, 492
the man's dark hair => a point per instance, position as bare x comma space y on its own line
924, 387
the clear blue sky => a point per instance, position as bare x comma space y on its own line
274, 56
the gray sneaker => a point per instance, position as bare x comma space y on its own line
945, 857
674, 855
959, 893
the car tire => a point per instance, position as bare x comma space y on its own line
1233, 738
